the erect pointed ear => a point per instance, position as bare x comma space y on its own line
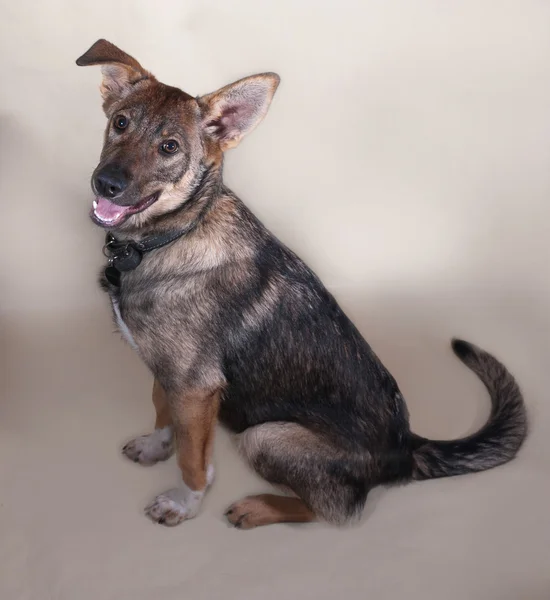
236, 109
121, 72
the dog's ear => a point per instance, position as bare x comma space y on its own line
121, 72
236, 109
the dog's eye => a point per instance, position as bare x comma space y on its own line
120, 122
169, 147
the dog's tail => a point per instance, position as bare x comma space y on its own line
497, 442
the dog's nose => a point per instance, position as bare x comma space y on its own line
111, 181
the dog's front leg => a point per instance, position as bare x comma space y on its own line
194, 415
153, 447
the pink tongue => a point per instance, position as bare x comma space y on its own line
107, 211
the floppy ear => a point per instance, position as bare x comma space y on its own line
236, 109
121, 72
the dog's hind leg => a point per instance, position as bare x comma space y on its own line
154, 447
330, 482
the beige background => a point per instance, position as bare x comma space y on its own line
406, 158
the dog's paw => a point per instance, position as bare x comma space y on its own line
174, 506
166, 511
247, 513
150, 449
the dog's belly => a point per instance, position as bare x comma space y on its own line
122, 327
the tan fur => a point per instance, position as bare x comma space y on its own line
288, 437
163, 417
195, 416
266, 509
261, 310
216, 241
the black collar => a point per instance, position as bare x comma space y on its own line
127, 255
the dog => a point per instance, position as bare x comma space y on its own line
236, 329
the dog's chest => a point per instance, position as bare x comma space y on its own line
122, 327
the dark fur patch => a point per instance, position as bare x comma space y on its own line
464, 350
496, 443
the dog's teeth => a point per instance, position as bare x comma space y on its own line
94, 204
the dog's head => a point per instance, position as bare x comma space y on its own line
160, 141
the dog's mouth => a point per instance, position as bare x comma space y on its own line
108, 214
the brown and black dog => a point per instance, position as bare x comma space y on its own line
236, 328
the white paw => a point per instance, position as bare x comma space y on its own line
152, 448
174, 506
